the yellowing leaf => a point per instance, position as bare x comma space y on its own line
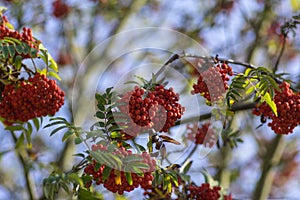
295, 5
43, 71
270, 103
55, 75
118, 178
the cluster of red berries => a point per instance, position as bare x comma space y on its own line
204, 192
158, 109
24, 36
111, 182
60, 9
212, 83
36, 97
288, 109
201, 135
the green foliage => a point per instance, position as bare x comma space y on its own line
26, 130
10, 47
62, 123
109, 117
57, 180
231, 138
51, 68
258, 81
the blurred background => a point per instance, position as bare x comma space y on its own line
242, 30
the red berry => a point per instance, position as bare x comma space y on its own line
288, 109
30, 99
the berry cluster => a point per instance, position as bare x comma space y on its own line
204, 192
158, 109
288, 109
60, 9
111, 183
26, 100
201, 135
212, 83
25, 36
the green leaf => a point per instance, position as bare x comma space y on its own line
65, 187
26, 48
97, 156
100, 99
132, 82
19, 48
33, 52
208, 178
115, 134
106, 173
20, 141
128, 178
28, 133
55, 123
140, 165
186, 166
81, 155
15, 128
100, 115
250, 90
74, 178
150, 145
53, 64
11, 50
108, 90
87, 195
58, 129
140, 147
36, 123
174, 178
132, 158
77, 140
5, 51
54, 75
137, 171
101, 107
67, 135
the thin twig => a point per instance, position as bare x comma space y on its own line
190, 154
217, 59
280, 54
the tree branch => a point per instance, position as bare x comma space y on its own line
30, 185
280, 54
271, 159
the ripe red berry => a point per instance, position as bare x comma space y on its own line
158, 109
30, 99
288, 109
212, 83
60, 9
201, 135
24, 36
111, 184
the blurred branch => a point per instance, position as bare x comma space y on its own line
271, 159
30, 185
268, 7
234, 108
280, 53
190, 154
